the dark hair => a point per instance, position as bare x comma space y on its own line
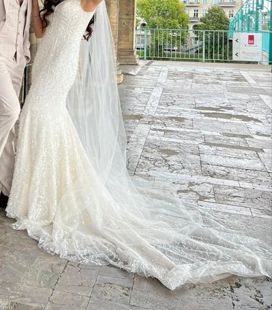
49, 7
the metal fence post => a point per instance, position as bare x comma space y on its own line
145, 43
204, 47
270, 36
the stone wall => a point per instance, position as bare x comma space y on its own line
126, 34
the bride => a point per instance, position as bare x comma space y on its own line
71, 190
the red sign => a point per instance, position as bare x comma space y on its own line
251, 39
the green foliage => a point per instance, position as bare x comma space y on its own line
217, 45
164, 14
215, 19
215, 41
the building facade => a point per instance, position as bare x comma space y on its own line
198, 8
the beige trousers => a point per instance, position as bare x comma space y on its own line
11, 74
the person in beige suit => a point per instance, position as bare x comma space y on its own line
15, 16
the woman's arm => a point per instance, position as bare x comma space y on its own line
89, 5
37, 20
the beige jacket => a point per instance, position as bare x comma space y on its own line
4, 10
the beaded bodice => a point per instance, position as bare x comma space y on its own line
57, 59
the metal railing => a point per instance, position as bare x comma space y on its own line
226, 3
194, 18
181, 44
191, 3
255, 16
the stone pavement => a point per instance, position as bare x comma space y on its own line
203, 132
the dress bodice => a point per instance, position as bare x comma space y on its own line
57, 59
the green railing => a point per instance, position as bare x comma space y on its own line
255, 16
181, 44
267, 44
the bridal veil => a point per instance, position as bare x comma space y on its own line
144, 233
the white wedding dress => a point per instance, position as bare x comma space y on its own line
87, 212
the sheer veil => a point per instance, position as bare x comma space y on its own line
149, 234
94, 101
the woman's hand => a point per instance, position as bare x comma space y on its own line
89, 5
37, 20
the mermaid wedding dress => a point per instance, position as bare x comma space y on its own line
71, 190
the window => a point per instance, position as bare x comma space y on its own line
231, 13
204, 12
195, 13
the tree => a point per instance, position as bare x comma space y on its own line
170, 18
164, 14
213, 31
215, 19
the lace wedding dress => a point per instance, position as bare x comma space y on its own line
71, 190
